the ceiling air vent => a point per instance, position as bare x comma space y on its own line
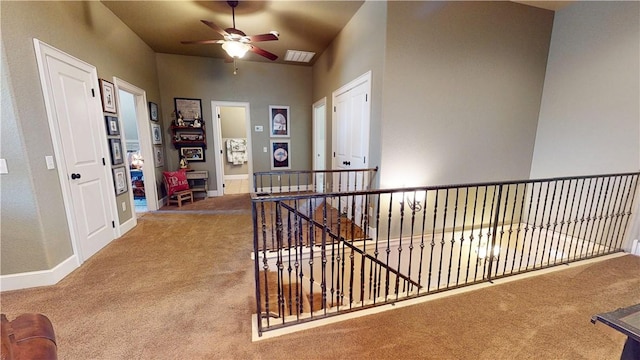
299, 56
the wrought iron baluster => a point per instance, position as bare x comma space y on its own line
453, 237
484, 206
397, 282
610, 215
473, 219
464, 219
442, 242
422, 245
519, 229
433, 237
546, 234
582, 220
617, 208
627, 213
376, 275
388, 249
510, 231
599, 218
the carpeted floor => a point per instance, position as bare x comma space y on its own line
180, 286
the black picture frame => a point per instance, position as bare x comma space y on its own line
190, 109
113, 127
195, 153
153, 111
280, 154
117, 156
108, 95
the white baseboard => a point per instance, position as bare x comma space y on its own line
236, 177
128, 225
213, 193
39, 278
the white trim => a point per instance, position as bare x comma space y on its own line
128, 225
213, 193
317, 165
144, 138
217, 141
39, 278
237, 177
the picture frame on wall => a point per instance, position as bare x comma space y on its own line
279, 121
158, 156
192, 153
156, 134
190, 109
115, 145
280, 154
120, 180
108, 95
153, 111
113, 128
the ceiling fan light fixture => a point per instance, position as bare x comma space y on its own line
235, 49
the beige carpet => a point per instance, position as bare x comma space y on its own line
180, 286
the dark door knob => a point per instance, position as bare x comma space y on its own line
75, 176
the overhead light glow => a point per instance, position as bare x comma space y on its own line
235, 49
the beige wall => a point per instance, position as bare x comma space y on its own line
590, 114
258, 83
462, 89
35, 234
358, 48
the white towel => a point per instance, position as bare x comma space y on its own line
237, 151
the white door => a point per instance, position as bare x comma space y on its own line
73, 105
319, 142
351, 139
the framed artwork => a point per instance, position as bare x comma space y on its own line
190, 109
279, 121
156, 134
120, 180
112, 125
280, 154
108, 93
153, 111
158, 156
192, 153
116, 151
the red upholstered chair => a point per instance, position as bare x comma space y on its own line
177, 187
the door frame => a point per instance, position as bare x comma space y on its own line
217, 141
316, 141
146, 147
44, 50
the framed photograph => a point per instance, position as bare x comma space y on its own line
156, 134
158, 156
153, 111
280, 154
112, 125
192, 153
279, 121
108, 93
120, 180
116, 151
190, 109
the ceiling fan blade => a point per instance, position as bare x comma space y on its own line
215, 27
262, 37
203, 42
263, 52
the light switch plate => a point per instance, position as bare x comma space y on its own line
3, 166
258, 128
264, 149
50, 164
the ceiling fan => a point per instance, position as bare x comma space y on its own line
236, 43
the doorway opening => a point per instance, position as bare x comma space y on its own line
233, 147
136, 132
135, 159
